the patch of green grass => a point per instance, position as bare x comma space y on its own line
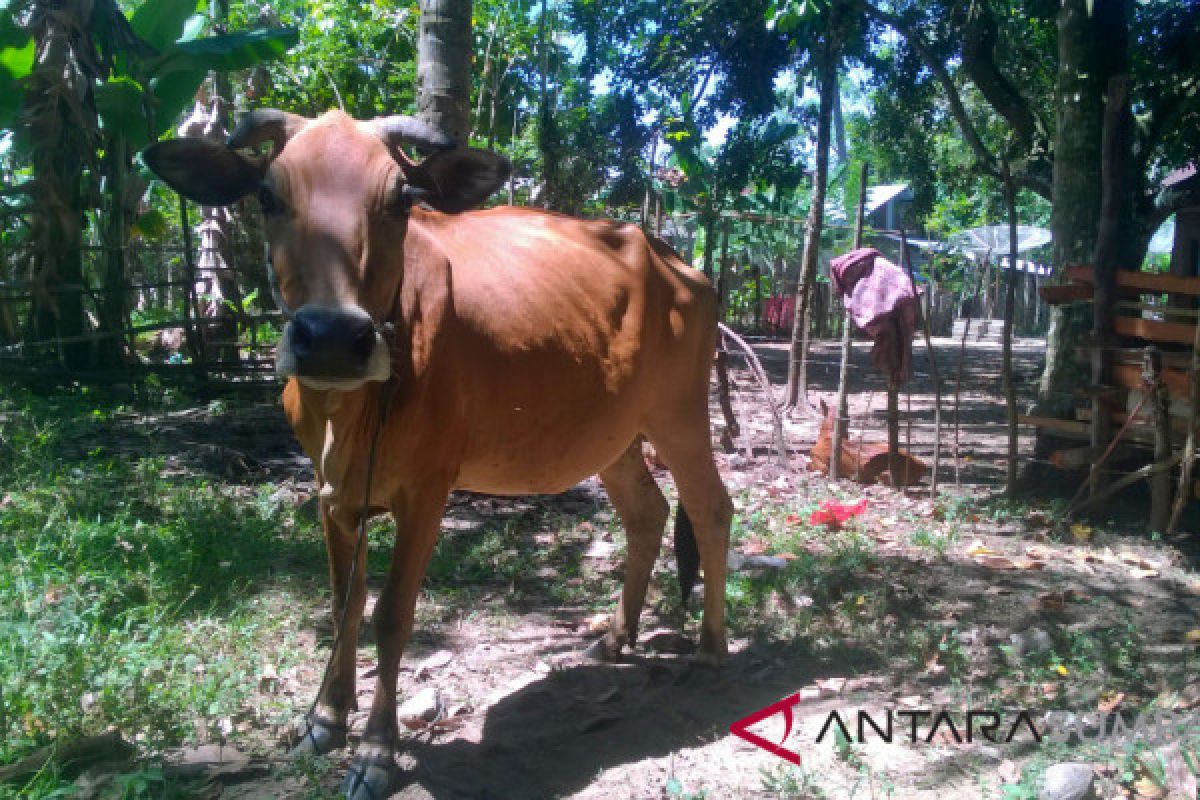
792, 783
135, 600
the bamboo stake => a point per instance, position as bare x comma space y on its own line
1184, 489
1160, 484
192, 333
840, 417
1010, 389
962, 358
933, 375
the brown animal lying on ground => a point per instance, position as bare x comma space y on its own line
865, 462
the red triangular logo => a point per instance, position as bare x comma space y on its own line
784, 706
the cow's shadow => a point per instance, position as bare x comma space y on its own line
555, 735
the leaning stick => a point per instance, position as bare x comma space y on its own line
1184, 491
757, 368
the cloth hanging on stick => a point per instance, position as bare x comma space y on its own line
879, 296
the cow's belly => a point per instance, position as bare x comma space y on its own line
536, 437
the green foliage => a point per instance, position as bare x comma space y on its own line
131, 598
159, 24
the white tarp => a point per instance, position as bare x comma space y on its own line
994, 239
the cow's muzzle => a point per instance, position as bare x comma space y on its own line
333, 348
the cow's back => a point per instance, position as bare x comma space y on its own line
557, 330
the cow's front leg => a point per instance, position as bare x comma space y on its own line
325, 729
418, 518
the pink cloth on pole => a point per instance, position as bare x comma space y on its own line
878, 294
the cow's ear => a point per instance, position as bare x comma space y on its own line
458, 180
208, 173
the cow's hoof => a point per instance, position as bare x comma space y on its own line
316, 737
369, 779
602, 651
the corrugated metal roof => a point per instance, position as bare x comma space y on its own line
879, 196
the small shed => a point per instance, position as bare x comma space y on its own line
888, 206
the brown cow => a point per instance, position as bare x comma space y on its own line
527, 350
865, 462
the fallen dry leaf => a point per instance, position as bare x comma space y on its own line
978, 548
1146, 789
1081, 532
833, 685
1192, 636
1109, 702
1050, 601
993, 561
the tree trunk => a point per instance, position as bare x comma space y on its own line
111, 308
444, 50
60, 126
797, 385
1079, 102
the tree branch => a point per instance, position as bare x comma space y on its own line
987, 160
1029, 177
979, 44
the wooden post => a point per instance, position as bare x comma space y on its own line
723, 275
893, 432
841, 417
193, 333
756, 276
710, 223
1183, 491
933, 367
1010, 289
1160, 484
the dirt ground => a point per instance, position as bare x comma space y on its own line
917, 608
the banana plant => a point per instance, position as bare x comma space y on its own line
141, 72
159, 60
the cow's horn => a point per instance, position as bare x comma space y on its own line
263, 124
400, 129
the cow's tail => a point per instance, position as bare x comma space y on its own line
687, 554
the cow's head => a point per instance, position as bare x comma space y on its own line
336, 195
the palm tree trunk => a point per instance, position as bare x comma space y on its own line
444, 49
61, 125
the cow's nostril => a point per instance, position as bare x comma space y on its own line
302, 339
363, 343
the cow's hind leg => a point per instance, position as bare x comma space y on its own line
683, 443
325, 730
643, 511
418, 518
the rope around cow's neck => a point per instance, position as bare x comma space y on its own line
385, 396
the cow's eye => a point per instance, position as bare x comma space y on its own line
268, 201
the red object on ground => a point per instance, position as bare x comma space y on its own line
834, 515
